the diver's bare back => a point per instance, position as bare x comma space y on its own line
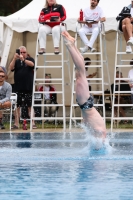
93, 120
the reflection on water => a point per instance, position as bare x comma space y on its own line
65, 166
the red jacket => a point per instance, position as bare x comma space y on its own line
54, 10
53, 96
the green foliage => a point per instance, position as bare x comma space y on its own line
8, 7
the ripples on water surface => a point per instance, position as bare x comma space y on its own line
65, 166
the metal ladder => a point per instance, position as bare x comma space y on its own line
100, 63
120, 63
51, 64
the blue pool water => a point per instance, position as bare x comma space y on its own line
65, 166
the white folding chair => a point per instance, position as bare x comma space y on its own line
13, 100
5, 111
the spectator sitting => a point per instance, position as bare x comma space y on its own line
87, 63
123, 86
5, 94
23, 65
57, 11
95, 14
49, 97
126, 25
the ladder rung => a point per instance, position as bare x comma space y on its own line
123, 118
125, 105
53, 61
119, 53
123, 65
123, 92
94, 66
127, 61
48, 66
123, 79
52, 79
48, 83
77, 118
49, 118
96, 61
95, 79
49, 105
49, 54
95, 92
45, 92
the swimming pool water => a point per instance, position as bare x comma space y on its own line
63, 166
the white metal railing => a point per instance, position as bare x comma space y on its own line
119, 63
49, 64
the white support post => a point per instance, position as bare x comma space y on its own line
8, 34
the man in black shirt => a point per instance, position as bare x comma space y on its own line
22, 65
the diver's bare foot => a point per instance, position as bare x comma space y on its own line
67, 36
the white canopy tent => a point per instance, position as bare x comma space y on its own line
26, 18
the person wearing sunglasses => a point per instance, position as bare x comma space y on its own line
5, 94
23, 67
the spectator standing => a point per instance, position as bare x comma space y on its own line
50, 17
5, 94
23, 67
92, 15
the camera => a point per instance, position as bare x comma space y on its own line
18, 51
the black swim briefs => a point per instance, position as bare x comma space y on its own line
88, 104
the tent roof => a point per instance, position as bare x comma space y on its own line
26, 19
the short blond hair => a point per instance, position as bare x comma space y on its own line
46, 4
